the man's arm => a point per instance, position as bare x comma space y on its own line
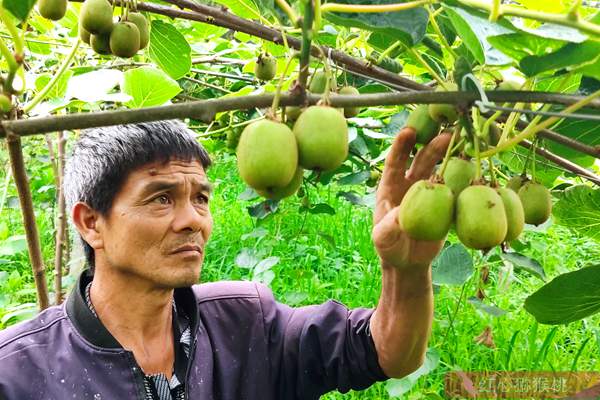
401, 324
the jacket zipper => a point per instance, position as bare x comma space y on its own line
139, 377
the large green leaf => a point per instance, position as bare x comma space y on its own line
573, 54
241, 8
474, 28
60, 87
407, 26
454, 266
521, 44
169, 49
579, 209
584, 131
19, 8
568, 297
545, 171
148, 87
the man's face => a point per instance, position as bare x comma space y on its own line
159, 224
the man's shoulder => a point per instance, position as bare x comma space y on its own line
223, 290
33, 331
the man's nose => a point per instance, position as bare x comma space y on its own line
188, 217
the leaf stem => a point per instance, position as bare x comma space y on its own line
430, 70
275, 104
317, 18
14, 32
438, 32
289, 11
356, 8
61, 70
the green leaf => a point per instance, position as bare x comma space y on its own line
355, 178
486, 308
545, 171
321, 208
398, 387
242, 8
13, 245
169, 49
453, 266
19, 8
408, 26
149, 86
60, 87
568, 297
573, 54
579, 209
397, 122
526, 264
474, 28
521, 44
584, 131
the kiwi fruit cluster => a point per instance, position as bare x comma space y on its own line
123, 38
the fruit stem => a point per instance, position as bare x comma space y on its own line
63, 67
275, 104
307, 34
477, 157
387, 51
356, 8
289, 11
449, 151
438, 32
494, 182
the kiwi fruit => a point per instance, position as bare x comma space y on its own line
319, 81
516, 182
292, 112
52, 9
142, 24
480, 217
444, 113
100, 44
267, 155
233, 137
350, 112
426, 211
425, 126
322, 136
97, 16
84, 35
515, 215
287, 190
125, 39
266, 67
5, 103
459, 174
537, 203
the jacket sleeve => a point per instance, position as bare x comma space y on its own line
318, 348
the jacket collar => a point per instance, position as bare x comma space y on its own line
92, 329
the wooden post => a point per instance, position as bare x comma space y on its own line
33, 241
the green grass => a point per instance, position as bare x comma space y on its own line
332, 256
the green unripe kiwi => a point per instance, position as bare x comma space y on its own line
515, 215
459, 174
420, 120
267, 155
52, 9
100, 44
84, 35
286, 191
292, 112
444, 113
96, 16
350, 112
266, 67
5, 103
322, 136
143, 27
537, 203
426, 211
480, 217
233, 137
515, 183
125, 39
318, 82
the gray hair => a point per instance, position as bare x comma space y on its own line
102, 159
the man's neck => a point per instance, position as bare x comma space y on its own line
138, 316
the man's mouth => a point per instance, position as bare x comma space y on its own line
189, 249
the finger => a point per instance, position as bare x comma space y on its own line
395, 163
426, 159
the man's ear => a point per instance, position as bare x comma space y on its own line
86, 220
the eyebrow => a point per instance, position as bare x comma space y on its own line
165, 186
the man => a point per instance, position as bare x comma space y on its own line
136, 325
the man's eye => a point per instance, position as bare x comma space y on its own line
202, 198
162, 199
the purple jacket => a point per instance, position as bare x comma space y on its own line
245, 346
